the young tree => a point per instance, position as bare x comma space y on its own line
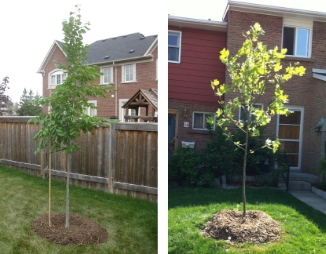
67, 118
253, 70
28, 104
3, 98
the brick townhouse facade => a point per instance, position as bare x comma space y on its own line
129, 62
303, 33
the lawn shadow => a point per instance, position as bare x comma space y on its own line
190, 197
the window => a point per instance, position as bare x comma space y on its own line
129, 73
199, 121
56, 77
242, 113
297, 38
289, 131
107, 76
91, 111
174, 42
131, 112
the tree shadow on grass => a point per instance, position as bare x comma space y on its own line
191, 197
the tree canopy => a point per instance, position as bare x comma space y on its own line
69, 100
253, 70
28, 104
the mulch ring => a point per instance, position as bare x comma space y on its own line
227, 225
81, 230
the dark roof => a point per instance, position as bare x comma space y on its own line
60, 43
121, 47
117, 48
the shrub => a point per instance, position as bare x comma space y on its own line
257, 162
221, 156
183, 166
279, 167
322, 165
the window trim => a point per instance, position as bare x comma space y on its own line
123, 76
180, 43
122, 110
88, 109
297, 24
102, 76
201, 112
294, 108
52, 73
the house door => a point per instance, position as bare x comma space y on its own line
289, 131
172, 131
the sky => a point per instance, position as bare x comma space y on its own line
214, 9
28, 29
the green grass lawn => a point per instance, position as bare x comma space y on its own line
131, 223
303, 228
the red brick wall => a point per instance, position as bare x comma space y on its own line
318, 100
145, 75
303, 91
187, 133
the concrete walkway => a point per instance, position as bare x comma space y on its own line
310, 199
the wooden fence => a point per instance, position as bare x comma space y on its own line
121, 159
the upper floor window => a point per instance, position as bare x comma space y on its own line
199, 121
129, 73
107, 76
297, 38
174, 46
57, 77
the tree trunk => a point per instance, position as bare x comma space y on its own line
244, 210
67, 163
50, 159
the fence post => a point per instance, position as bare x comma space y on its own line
112, 156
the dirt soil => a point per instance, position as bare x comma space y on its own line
81, 230
227, 225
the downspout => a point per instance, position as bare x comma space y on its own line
116, 90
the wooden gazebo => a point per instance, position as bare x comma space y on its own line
143, 99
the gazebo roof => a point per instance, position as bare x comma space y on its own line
143, 98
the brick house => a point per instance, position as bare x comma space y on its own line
303, 33
129, 62
194, 47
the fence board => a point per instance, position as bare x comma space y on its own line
121, 159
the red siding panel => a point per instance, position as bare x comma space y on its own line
190, 79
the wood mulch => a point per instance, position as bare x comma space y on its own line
81, 230
227, 225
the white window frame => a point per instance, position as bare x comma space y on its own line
299, 24
179, 33
256, 104
204, 113
110, 68
122, 110
55, 73
87, 111
294, 108
123, 70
